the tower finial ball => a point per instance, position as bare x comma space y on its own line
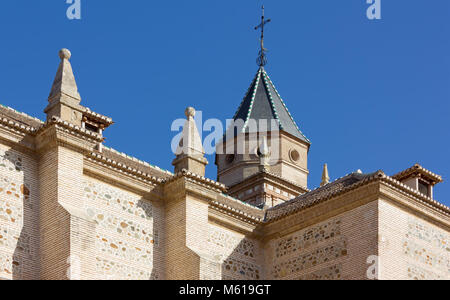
65, 54
190, 112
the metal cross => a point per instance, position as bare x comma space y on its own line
262, 59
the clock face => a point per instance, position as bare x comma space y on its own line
294, 155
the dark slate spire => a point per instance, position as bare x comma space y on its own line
263, 102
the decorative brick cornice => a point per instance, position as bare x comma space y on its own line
197, 179
133, 162
16, 126
20, 117
66, 126
123, 168
296, 205
254, 215
417, 196
238, 209
310, 199
72, 129
98, 117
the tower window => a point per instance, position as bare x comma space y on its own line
91, 127
423, 187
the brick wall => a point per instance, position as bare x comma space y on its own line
411, 246
337, 248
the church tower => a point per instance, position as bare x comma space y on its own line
263, 158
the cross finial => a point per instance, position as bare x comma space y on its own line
262, 59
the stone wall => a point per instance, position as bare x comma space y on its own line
19, 201
337, 248
412, 247
128, 232
236, 256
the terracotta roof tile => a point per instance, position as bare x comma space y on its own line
316, 195
420, 170
19, 117
135, 163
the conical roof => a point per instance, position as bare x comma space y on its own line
263, 102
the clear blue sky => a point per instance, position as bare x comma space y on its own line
369, 94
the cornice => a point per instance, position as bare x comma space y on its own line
378, 176
123, 180
18, 140
17, 127
403, 201
206, 182
314, 201
133, 161
416, 196
20, 117
123, 168
227, 220
96, 116
253, 215
239, 209
55, 135
72, 129
325, 210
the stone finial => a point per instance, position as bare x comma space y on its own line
325, 176
190, 154
191, 142
64, 83
64, 99
65, 54
190, 112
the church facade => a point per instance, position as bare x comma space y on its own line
72, 208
